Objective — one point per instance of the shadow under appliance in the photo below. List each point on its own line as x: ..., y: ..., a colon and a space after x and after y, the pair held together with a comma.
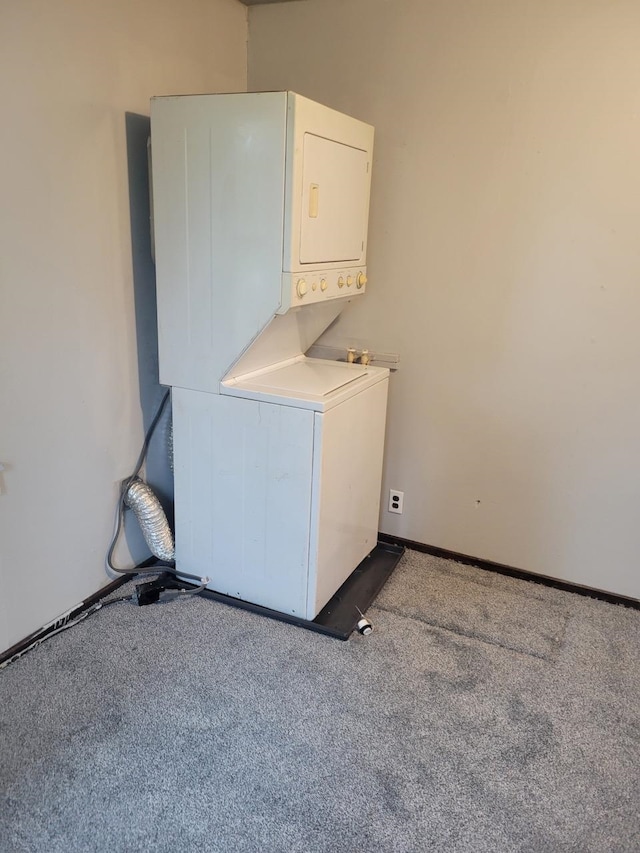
x: 261, y: 207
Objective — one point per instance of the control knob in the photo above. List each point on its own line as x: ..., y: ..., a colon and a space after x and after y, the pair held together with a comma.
x: 301, y: 287
x: 340, y: 282
x: 323, y: 284
x: 349, y: 280
x: 361, y: 280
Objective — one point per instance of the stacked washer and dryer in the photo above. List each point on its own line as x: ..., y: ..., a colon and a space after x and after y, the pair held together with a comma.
x: 261, y: 205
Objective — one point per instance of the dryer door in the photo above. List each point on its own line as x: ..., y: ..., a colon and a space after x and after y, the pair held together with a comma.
x: 335, y: 201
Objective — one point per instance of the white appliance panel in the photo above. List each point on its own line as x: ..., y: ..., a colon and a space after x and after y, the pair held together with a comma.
x: 335, y: 195
x: 348, y: 452
x: 243, y: 473
x: 218, y: 194
x: 286, y: 336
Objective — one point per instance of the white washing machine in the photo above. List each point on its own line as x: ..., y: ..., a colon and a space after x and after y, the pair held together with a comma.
x: 261, y: 208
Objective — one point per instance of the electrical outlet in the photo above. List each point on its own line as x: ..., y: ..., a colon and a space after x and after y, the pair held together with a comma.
x: 396, y: 501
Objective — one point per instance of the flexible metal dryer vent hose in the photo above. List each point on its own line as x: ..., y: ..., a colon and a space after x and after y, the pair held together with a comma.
x: 152, y: 520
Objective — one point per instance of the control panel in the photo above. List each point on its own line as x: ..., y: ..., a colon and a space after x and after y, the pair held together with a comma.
x: 319, y: 286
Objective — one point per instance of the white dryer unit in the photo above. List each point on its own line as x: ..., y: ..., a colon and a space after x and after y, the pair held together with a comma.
x: 261, y: 207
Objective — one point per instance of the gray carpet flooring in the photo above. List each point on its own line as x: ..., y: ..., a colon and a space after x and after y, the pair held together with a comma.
x: 483, y: 714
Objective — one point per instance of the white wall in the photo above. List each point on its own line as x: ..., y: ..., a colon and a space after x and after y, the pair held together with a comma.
x: 70, y: 379
x: 504, y: 262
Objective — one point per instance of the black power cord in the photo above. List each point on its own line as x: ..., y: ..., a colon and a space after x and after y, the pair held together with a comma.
x: 63, y: 626
x: 165, y: 587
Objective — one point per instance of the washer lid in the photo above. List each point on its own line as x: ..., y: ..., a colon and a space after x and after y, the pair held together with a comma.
x: 311, y: 376
x: 306, y: 383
